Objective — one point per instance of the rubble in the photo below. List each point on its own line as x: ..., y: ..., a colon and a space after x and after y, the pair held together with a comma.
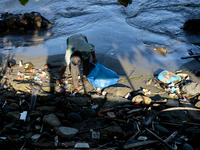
x: 112, y: 118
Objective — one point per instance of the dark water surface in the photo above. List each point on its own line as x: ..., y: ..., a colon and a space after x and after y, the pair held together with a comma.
x: 147, y: 33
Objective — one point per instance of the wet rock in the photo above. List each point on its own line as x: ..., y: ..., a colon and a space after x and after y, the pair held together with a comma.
x: 7, y: 109
x: 45, y: 135
x: 9, y: 94
x: 74, y: 117
x: 86, y: 113
x: 161, y: 129
x: 114, y: 101
x: 31, y: 20
x: 118, y: 90
x: 66, y: 123
x: 80, y: 101
x: 35, y: 114
x: 197, y: 104
x: 187, y: 146
x: 191, y: 89
x: 45, y: 109
x: 51, y: 120
x: 113, y: 131
x: 142, y: 100
x: 28, y: 135
x: 13, y: 116
x: 65, y: 132
x: 14, y: 105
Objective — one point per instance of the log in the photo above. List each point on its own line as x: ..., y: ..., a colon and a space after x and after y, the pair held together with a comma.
x: 140, y: 144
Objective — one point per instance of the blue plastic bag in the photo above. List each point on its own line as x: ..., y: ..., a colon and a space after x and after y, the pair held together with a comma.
x: 102, y: 77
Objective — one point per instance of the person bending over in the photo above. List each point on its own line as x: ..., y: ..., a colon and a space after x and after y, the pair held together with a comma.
x: 78, y: 50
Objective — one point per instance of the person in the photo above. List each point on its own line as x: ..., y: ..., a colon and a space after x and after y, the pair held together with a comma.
x: 78, y: 50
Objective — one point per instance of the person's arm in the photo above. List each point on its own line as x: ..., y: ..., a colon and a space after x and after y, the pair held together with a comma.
x: 94, y: 60
x: 61, y: 73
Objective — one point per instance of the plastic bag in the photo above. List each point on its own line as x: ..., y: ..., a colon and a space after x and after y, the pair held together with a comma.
x: 168, y: 77
x: 102, y: 77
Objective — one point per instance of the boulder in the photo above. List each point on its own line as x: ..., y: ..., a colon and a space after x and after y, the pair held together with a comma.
x: 51, y: 120
x: 118, y: 90
x: 65, y: 132
x: 142, y: 100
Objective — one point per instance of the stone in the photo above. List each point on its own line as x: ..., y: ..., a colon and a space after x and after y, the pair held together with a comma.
x: 118, y: 90
x: 9, y: 95
x: 197, y: 104
x: 65, y: 132
x: 35, y: 114
x: 13, y: 116
x: 86, y: 113
x: 112, y: 131
x: 191, y: 89
x: 187, y: 146
x: 14, y: 105
x: 51, y: 120
x: 74, y: 117
x: 45, y: 109
x: 22, y: 86
x: 80, y: 101
x: 142, y: 100
x: 114, y: 101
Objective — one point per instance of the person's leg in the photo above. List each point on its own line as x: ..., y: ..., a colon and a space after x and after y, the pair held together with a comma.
x: 86, y: 66
x: 74, y: 72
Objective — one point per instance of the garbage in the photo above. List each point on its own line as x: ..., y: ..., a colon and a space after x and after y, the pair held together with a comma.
x: 82, y: 145
x: 102, y: 77
x: 23, y: 115
x: 168, y: 77
x: 100, y: 117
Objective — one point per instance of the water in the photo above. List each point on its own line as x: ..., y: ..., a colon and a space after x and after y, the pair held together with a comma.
x: 133, y: 34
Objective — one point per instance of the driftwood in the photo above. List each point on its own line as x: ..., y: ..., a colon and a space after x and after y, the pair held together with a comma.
x: 140, y: 144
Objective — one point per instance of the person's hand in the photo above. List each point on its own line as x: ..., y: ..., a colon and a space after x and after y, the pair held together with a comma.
x: 94, y: 60
x: 76, y: 87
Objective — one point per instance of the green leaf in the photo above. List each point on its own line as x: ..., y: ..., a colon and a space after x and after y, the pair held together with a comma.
x: 24, y: 2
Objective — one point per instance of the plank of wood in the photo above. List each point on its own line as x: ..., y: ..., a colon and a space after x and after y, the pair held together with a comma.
x: 140, y: 144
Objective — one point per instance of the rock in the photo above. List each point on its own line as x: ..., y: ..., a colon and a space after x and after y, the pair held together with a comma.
x: 65, y: 132
x: 80, y: 101
x: 51, y: 120
x: 74, y: 117
x: 113, y: 131
x: 35, y: 114
x: 186, y: 146
x: 118, y: 90
x: 114, y: 101
x: 197, y: 104
x: 142, y: 100
x: 161, y: 129
x: 85, y: 113
x: 13, y: 116
x: 9, y: 94
x: 191, y: 89
x: 14, y: 105
x: 45, y: 109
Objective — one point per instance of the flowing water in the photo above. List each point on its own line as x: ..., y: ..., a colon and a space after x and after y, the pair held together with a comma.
x: 146, y: 34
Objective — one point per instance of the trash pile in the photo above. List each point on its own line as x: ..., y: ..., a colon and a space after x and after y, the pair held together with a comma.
x: 115, y: 117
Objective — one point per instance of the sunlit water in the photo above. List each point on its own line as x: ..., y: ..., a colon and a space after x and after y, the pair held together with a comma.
x: 134, y: 34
